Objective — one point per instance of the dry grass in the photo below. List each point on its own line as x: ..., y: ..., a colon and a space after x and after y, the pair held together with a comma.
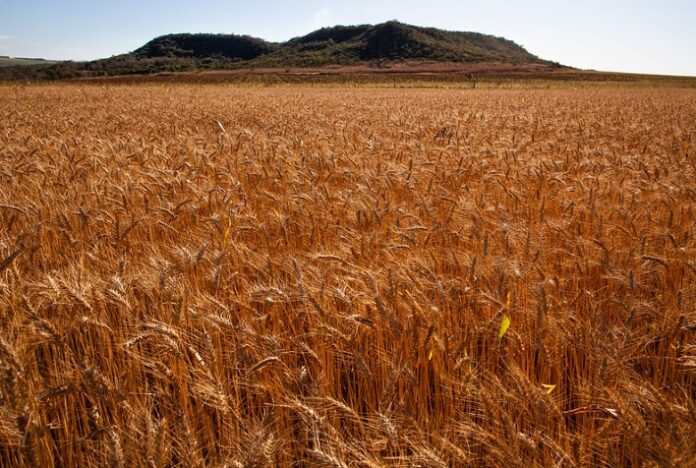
x: 255, y: 277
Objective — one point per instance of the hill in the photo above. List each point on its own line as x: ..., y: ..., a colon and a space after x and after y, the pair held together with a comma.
x: 394, y: 41
x: 376, y: 45
x: 340, y: 45
x: 201, y: 46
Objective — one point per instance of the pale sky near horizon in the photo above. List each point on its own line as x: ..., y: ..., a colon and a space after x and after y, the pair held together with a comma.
x: 640, y: 36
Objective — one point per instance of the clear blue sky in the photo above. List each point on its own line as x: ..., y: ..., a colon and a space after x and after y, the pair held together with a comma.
x: 645, y: 36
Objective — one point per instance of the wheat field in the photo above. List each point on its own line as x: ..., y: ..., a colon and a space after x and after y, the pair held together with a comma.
x: 295, y: 276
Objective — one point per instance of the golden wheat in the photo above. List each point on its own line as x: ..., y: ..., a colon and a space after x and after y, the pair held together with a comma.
x: 249, y: 276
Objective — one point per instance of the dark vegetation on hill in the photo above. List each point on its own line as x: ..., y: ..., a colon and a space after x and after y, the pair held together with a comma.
x: 340, y: 45
x: 201, y: 46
